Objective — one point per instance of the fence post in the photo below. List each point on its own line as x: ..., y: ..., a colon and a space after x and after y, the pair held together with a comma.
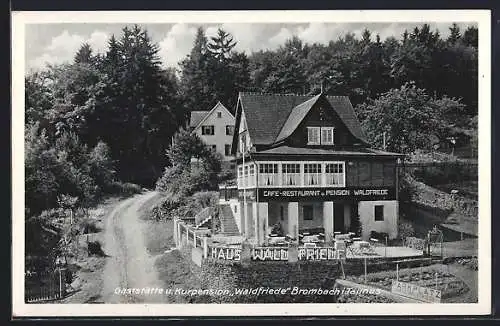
x: 60, y: 283
x: 205, y: 247
x: 179, y: 232
x: 175, y: 231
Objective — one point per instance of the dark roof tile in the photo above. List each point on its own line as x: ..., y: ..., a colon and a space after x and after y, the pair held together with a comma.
x: 196, y: 117
x: 269, y: 116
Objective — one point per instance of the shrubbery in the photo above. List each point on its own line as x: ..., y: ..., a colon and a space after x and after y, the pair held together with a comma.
x: 185, y: 206
x: 447, y: 173
x: 405, y: 229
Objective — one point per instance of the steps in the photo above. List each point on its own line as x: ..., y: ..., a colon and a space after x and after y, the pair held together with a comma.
x: 228, y: 224
x: 203, y: 217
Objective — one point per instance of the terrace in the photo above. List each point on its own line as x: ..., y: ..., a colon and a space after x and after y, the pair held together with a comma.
x: 311, y: 246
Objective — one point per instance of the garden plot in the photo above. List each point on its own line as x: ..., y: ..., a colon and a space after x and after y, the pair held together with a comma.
x: 435, y: 276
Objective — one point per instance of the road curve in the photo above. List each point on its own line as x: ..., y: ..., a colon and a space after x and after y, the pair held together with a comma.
x: 128, y: 265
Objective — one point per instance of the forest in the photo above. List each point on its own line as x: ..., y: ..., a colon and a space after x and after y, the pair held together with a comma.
x: 104, y: 123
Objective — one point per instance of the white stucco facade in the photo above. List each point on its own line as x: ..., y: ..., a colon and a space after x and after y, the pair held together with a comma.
x: 219, y: 118
x: 389, y: 224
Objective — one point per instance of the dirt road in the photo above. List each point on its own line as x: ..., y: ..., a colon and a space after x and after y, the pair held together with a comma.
x: 129, y: 265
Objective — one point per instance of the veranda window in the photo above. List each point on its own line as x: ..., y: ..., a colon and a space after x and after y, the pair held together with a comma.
x: 240, y: 176
x: 312, y: 174
x: 291, y: 174
x: 268, y: 174
x: 251, y: 177
x: 334, y: 174
x: 246, y: 175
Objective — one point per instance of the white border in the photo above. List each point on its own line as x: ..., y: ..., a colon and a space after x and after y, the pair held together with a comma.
x: 19, y: 19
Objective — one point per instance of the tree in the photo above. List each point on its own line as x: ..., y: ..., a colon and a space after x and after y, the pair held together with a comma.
x: 193, y: 166
x: 470, y: 37
x: 195, y: 76
x: 221, y: 45
x: 38, y: 97
x: 288, y: 75
x: 135, y: 107
x: 213, y: 72
x: 454, y: 36
x: 84, y: 54
x: 410, y: 118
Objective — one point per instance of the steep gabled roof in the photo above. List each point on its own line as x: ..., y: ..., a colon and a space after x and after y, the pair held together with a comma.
x: 273, y: 117
x: 296, y: 116
x: 198, y: 117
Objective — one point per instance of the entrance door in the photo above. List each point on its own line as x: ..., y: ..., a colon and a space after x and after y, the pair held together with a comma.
x: 338, y: 218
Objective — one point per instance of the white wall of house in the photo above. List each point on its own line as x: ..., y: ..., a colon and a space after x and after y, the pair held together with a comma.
x: 389, y: 224
x: 220, y: 139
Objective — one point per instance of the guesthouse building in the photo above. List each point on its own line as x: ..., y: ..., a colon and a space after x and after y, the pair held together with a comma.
x: 304, y: 165
x: 215, y: 128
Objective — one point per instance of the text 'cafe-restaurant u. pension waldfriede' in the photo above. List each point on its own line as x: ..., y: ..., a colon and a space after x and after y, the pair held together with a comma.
x: 304, y: 166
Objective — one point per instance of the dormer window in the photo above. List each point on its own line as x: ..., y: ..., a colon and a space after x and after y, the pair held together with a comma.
x: 320, y: 135
x: 327, y: 135
x: 313, y: 135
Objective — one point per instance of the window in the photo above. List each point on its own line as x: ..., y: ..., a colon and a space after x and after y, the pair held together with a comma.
x: 291, y: 174
x: 313, y: 135
x: 327, y: 135
x: 236, y: 208
x: 229, y: 130
x: 208, y: 130
x: 282, y: 213
x: 334, y: 174
x: 307, y: 211
x: 219, y: 114
x: 379, y: 212
x: 240, y: 176
x: 268, y: 174
x: 227, y: 150
x: 251, y: 180
x: 312, y: 174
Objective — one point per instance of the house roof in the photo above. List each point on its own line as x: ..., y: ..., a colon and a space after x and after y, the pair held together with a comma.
x: 273, y: 117
x: 299, y: 151
x: 197, y: 117
x: 295, y: 117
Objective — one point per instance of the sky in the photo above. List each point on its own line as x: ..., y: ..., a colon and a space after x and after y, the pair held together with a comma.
x: 57, y: 43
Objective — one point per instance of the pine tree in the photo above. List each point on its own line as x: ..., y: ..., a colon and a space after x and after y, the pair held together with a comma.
x: 221, y: 45
x: 84, y: 54
x: 454, y: 36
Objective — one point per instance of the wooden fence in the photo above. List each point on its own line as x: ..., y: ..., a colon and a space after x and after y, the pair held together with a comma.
x: 45, y: 286
x: 185, y: 234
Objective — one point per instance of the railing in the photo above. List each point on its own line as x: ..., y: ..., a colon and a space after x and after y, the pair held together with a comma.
x: 46, y: 286
x: 185, y: 234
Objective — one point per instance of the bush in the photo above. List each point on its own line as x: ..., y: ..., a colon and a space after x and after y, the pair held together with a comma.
x: 89, y: 226
x: 447, y: 173
x: 125, y: 188
x: 94, y: 248
x: 405, y: 230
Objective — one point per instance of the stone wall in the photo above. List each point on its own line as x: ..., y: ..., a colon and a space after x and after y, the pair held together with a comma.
x: 288, y: 276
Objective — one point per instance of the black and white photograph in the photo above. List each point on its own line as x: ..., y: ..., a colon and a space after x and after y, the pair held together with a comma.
x: 247, y: 163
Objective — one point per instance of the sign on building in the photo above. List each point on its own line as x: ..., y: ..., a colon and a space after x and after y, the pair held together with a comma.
x: 416, y: 292
x: 325, y: 194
